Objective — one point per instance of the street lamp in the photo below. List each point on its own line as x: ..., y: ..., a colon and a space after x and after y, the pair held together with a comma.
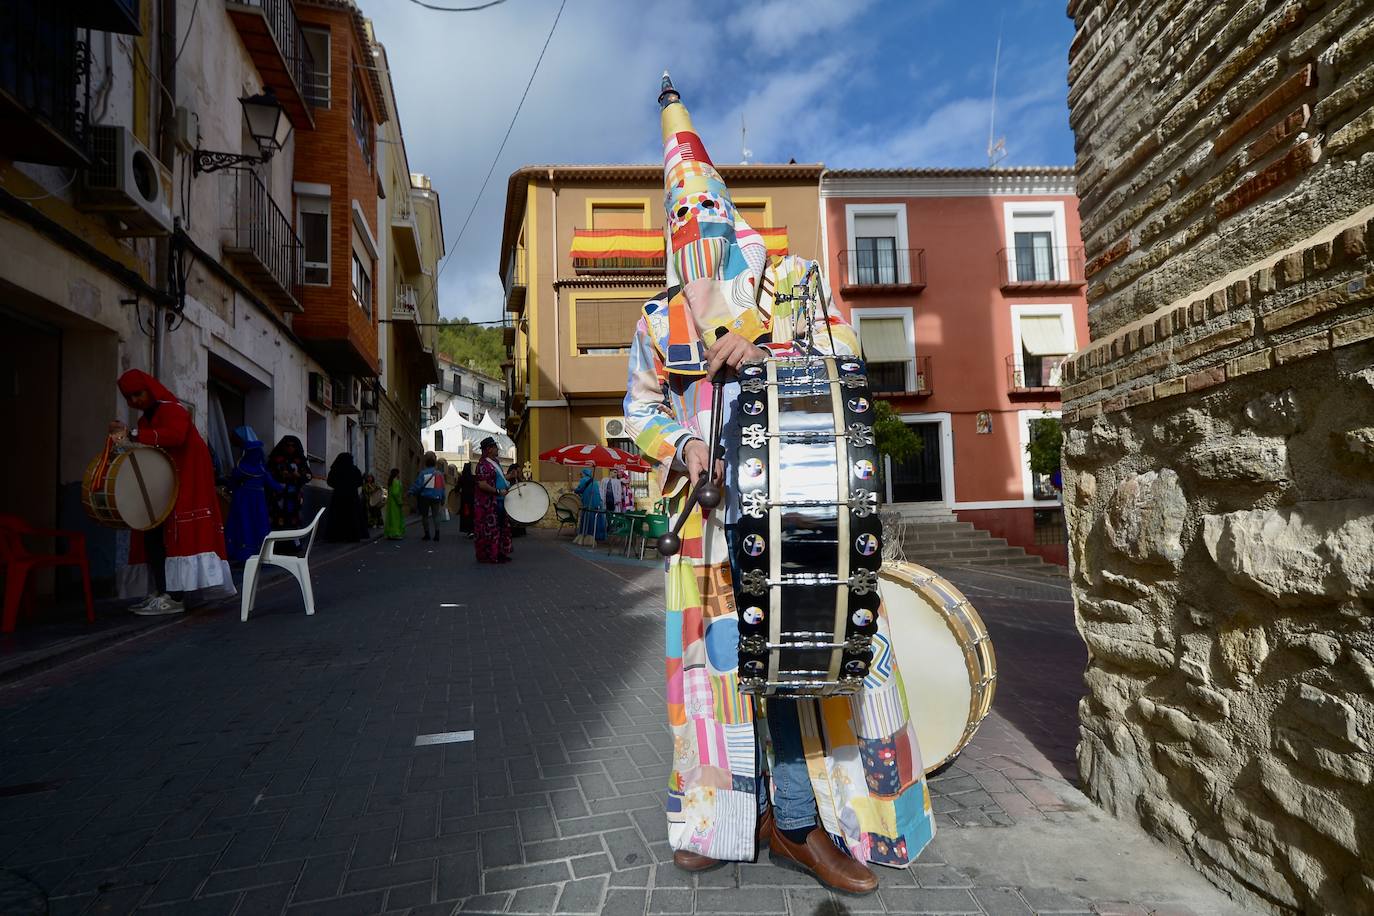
x: 269, y: 126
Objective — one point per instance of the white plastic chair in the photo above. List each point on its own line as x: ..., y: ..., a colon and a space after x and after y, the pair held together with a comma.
x: 298, y: 566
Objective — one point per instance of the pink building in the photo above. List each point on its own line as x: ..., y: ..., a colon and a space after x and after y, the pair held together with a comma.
x: 966, y: 286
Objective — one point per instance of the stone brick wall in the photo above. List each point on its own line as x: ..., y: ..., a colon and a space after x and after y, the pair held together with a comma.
x: 1219, y: 452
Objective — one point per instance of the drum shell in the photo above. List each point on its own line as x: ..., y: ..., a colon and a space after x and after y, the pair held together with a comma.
x: 944, y: 655
x: 523, y: 501
x: 103, y: 502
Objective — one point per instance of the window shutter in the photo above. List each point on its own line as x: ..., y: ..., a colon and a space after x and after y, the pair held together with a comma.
x: 606, y: 323
x: 884, y: 340
x: 1043, y: 335
x: 618, y: 217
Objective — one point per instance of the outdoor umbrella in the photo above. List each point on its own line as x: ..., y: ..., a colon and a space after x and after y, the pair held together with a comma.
x: 594, y: 456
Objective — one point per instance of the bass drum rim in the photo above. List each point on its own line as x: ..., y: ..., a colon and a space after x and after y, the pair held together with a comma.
x: 526, y: 484
x: 906, y: 574
x: 110, y: 517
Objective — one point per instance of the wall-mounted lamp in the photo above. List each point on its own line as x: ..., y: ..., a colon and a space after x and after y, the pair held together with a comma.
x: 267, y: 122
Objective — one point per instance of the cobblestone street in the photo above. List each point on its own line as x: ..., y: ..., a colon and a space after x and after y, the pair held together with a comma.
x: 215, y: 767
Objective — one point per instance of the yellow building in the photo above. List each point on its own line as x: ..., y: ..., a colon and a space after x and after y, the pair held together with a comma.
x: 582, y: 249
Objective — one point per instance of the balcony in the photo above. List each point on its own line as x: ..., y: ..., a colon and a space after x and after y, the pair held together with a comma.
x: 259, y: 239
x: 882, y: 272
x: 1037, y: 268
x: 120, y: 16
x: 272, y: 35
x: 1037, y: 376
x: 406, y: 231
x: 890, y: 379
x: 44, y: 92
x: 635, y: 252
x: 516, y: 282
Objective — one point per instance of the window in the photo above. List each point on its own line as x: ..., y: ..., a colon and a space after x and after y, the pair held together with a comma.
x: 1035, y: 234
x: 887, y: 346
x: 605, y: 326
x: 878, y: 252
x: 618, y: 216
x: 1043, y: 337
x: 438, y: 440
x: 317, y: 74
x: 362, y: 283
x: 313, y: 219
x: 362, y: 124
x: 481, y: 391
x: 756, y: 215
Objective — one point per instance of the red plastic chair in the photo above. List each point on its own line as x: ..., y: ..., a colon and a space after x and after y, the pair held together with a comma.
x: 19, y: 561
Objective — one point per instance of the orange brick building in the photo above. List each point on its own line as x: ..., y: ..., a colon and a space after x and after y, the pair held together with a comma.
x: 336, y: 192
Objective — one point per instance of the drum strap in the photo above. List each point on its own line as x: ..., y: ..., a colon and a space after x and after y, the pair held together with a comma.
x: 103, y: 465
x: 142, y: 487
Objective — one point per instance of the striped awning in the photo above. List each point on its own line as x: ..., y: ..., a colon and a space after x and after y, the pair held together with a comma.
x: 640, y: 249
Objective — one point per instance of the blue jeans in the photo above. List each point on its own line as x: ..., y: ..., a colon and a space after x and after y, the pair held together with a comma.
x: 794, y: 804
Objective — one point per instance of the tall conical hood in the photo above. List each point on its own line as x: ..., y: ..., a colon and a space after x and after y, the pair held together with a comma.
x: 706, y: 234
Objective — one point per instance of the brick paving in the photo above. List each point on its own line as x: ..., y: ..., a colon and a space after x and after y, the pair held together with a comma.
x: 270, y: 767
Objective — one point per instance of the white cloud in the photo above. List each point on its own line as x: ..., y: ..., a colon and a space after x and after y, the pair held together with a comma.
x: 786, y: 26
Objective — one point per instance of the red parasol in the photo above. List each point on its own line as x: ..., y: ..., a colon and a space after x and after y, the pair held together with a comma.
x: 594, y: 456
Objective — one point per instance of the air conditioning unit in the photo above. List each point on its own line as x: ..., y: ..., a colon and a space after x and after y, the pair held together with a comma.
x: 126, y: 181
x: 321, y: 391
x: 614, y: 428
x: 348, y: 394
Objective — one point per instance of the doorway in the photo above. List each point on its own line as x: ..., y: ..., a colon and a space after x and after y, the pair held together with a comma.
x: 919, y: 479
x: 30, y: 392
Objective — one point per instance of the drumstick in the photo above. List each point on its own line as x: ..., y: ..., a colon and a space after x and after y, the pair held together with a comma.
x: 706, y: 494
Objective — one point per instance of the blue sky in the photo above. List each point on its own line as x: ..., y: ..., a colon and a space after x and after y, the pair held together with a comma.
x: 851, y: 83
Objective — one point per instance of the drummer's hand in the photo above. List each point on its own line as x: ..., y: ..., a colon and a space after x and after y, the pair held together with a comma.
x: 118, y: 428
x: 694, y: 456
x: 730, y: 350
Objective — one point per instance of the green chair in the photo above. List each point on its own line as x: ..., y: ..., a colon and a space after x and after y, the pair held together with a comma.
x: 565, y: 510
x: 618, y: 525
x: 651, y: 526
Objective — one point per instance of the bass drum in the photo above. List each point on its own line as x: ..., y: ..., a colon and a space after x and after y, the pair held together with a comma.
x: 527, y: 502
x: 130, y: 488
x: 945, y: 657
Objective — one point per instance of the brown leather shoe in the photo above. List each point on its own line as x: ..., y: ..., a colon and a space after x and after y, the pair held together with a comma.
x: 821, y: 858
x: 694, y: 861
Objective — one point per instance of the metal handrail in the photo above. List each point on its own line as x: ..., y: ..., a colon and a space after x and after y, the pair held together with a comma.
x: 891, y: 267
x: 1057, y: 265
x: 261, y: 227
x: 1020, y: 379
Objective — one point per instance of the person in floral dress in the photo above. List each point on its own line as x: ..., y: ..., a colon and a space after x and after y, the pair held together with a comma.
x: 492, y: 525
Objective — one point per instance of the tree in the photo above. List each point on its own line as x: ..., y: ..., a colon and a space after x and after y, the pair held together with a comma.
x: 1046, y: 443
x: 894, y: 438
x: 472, y: 345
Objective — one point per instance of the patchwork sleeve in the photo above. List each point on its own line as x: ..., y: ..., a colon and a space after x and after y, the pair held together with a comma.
x: 648, y: 410
x: 842, y: 332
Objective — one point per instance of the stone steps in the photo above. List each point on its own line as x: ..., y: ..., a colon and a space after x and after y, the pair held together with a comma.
x: 938, y: 539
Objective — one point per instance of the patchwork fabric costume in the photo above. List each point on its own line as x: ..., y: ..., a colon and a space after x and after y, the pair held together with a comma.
x: 861, y: 751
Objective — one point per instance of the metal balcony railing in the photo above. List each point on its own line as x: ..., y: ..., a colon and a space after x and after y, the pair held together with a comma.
x: 516, y: 281
x: 279, y: 16
x: 892, y: 379
x: 883, y: 270
x: 261, y: 237
x: 44, y: 93
x: 407, y: 303
x: 1043, y: 267
x: 1034, y: 373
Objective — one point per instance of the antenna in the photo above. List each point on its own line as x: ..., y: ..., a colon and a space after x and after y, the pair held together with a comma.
x: 997, y: 149
x: 745, y: 152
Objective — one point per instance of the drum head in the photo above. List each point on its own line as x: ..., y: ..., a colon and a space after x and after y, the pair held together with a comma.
x: 935, y: 671
x: 527, y: 502
x: 145, y: 487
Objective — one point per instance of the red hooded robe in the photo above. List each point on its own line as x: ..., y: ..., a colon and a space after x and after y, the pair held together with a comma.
x: 193, y: 533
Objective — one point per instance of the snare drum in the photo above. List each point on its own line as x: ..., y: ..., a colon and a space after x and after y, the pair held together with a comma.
x: 945, y: 657
x: 130, y: 487
x: 808, y: 541
x: 527, y: 502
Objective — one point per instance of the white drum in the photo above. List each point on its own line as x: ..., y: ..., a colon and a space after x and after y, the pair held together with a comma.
x: 527, y: 502
x: 944, y: 655
x: 130, y: 487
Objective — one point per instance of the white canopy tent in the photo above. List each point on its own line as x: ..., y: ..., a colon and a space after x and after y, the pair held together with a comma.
x: 456, y: 439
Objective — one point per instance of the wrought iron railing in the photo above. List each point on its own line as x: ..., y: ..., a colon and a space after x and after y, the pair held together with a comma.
x: 42, y: 75
x: 883, y: 267
x: 1034, y: 373
x: 891, y: 377
x: 261, y: 227
x: 286, y: 29
x: 1031, y: 265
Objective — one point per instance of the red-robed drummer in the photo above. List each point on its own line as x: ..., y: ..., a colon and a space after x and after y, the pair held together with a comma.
x: 185, y: 553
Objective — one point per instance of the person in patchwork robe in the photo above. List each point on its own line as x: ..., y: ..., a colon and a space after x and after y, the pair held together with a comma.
x: 847, y: 783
